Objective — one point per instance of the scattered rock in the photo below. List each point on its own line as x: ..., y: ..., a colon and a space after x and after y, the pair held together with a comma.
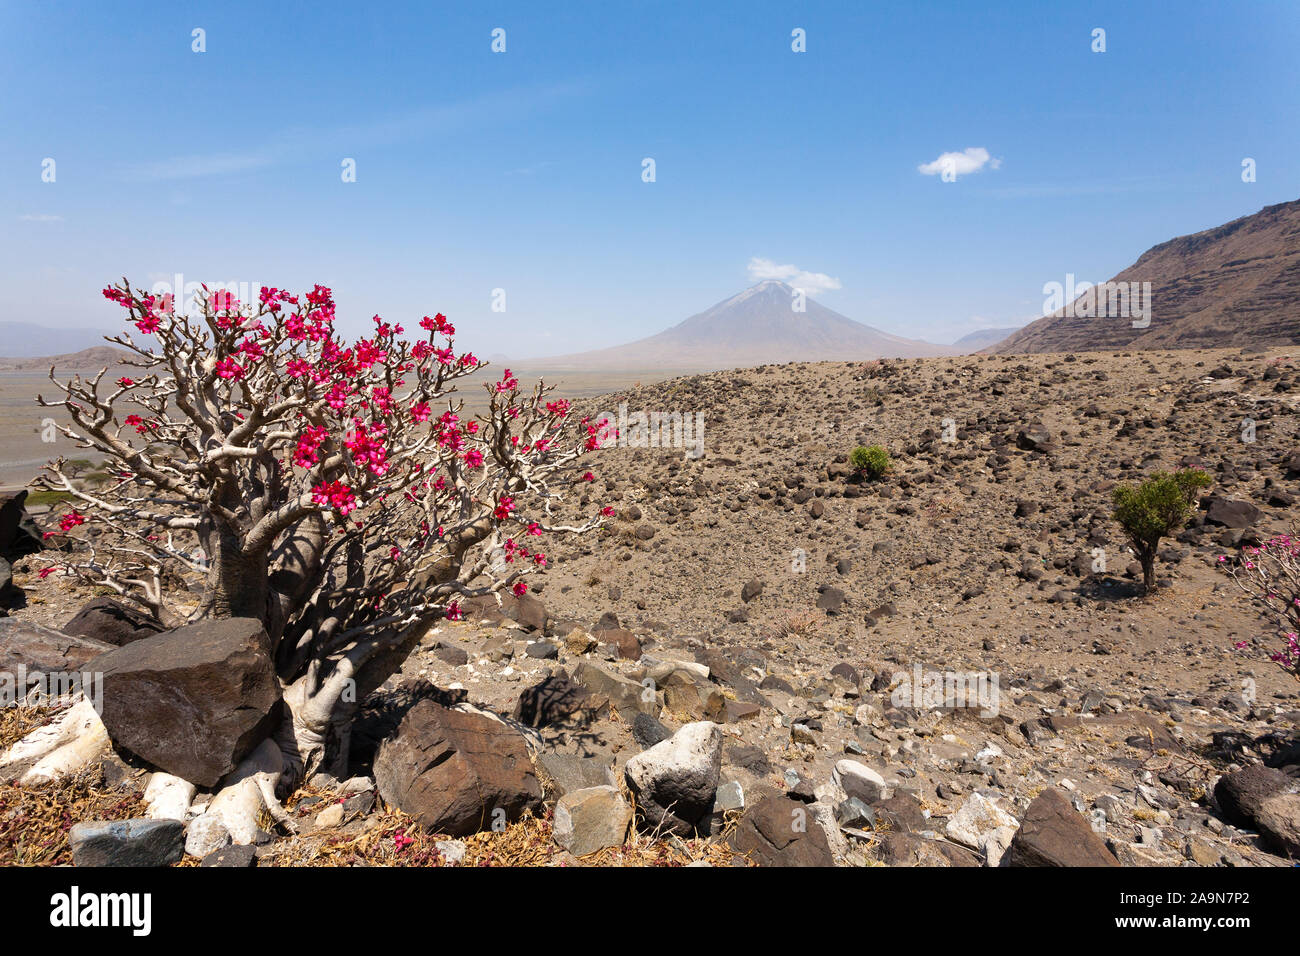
x: 193, y: 701
x: 127, y: 842
x: 587, y: 821
x: 1053, y: 833
x: 103, y: 619
x: 456, y: 772
x: 778, y: 831
x: 675, y: 782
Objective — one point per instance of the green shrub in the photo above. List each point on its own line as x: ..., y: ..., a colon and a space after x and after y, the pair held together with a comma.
x: 873, y: 461
x: 1159, y: 506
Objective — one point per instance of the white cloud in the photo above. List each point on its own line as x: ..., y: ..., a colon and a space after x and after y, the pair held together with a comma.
x: 970, y: 160
x: 39, y: 217
x: 811, y: 282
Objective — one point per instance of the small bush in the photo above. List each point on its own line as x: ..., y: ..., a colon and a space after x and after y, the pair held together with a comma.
x: 873, y: 461
x: 1159, y: 506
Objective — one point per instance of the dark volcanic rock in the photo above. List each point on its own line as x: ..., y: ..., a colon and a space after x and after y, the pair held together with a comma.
x: 1230, y: 513
x: 1241, y: 794
x: 456, y: 772
x: 104, y: 619
x: 40, y: 649
x: 1053, y: 833
x: 778, y: 831
x: 647, y: 731
x: 1034, y: 437
x: 192, y: 701
x: 127, y: 842
x: 19, y: 535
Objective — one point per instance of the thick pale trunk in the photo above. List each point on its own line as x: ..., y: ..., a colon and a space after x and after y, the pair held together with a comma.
x: 238, y: 584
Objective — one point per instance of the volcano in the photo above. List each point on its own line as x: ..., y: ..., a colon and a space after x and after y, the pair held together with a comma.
x: 759, y: 326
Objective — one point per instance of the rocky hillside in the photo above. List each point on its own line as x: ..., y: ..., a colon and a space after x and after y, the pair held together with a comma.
x: 1235, y: 285
x: 100, y: 356
x: 763, y: 636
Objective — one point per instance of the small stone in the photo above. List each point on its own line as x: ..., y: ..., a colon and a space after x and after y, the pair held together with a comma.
x: 127, y: 842
x: 452, y: 851
x: 232, y: 857
x: 859, y: 780
x: 590, y: 820
x: 331, y: 816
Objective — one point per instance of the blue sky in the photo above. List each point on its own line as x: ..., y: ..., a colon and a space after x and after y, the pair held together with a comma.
x: 522, y: 170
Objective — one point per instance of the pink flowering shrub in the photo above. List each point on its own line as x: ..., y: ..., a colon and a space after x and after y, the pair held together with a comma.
x: 1270, y: 574
x: 338, y: 492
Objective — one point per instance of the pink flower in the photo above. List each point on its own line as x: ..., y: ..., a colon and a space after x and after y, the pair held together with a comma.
x: 305, y: 455
x: 71, y: 520
x: 229, y: 368
x: 335, y: 494
x: 520, y: 589
x: 454, y: 612
x: 508, y: 382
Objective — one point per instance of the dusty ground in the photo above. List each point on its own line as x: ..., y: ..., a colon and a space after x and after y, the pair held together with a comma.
x: 944, y: 523
x: 970, y: 555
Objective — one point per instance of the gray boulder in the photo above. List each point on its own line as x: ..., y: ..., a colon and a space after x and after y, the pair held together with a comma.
x: 127, y: 842
x: 193, y: 701
x: 675, y: 782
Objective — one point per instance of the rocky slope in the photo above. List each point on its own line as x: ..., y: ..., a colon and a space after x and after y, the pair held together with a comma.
x: 735, y: 655
x: 1234, y: 285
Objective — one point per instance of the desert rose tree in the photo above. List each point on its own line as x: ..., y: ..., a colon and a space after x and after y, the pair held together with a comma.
x: 336, y: 492
x: 1270, y: 575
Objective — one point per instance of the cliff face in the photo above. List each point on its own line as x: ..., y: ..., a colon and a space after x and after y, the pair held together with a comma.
x: 1235, y: 285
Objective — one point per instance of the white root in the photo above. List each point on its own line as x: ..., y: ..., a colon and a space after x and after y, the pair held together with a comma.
x: 247, y: 790
x: 72, y: 723
x: 169, y: 797
x: 68, y: 759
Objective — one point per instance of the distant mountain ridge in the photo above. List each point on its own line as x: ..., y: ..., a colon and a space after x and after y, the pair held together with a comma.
x: 755, y: 327
x: 1234, y: 285
x: 983, y: 338
x: 29, y: 340
x: 101, y: 356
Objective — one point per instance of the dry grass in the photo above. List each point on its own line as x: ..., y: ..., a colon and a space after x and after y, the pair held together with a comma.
x: 389, y: 837
x: 17, y: 722
x: 797, y: 624
x: 34, y: 822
